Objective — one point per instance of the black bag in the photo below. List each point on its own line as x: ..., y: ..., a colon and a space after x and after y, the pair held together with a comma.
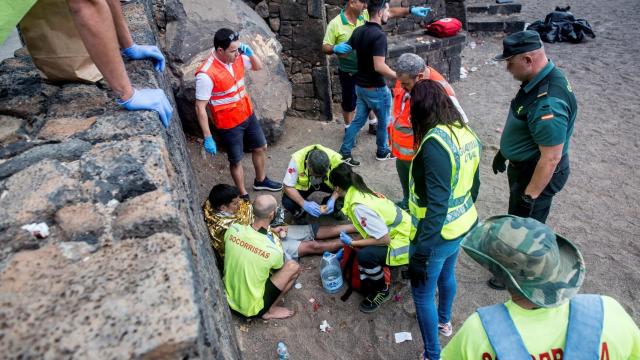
x: 561, y: 25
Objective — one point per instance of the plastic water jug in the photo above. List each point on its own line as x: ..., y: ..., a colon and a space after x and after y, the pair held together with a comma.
x: 330, y: 273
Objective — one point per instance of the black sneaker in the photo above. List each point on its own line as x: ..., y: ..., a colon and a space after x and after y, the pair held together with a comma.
x: 373, y: 129
x: 372, y: 302
x: 245, y: 197
x: 267, y: 185
x: 350, y: 161
x: 387, y: 155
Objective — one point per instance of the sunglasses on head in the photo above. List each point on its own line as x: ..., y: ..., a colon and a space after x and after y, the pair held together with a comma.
x: 234, y: 37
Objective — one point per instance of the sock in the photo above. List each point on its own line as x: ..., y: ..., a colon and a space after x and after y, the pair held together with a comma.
x: 346, y: 126
x: 373, y: 121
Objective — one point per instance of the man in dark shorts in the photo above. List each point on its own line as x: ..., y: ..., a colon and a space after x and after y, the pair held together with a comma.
x: 220, y: 84
x: 252, y: 252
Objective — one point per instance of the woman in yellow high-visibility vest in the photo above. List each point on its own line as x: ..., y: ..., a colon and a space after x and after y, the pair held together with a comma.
x: 385, y: 230
x: 443, y: 185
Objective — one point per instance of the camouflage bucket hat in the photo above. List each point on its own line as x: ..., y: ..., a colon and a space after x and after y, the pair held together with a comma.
x: 544, y: 267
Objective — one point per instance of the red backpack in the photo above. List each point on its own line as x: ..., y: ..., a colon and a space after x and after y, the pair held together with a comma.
x: 351, y: 273
x: 444, y: 27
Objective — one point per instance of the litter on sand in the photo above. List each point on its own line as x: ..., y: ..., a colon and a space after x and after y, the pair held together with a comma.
x: 39, y: 230
x: 324, y: 327
x: 403, y: 336
x: 463, y: 73
x: 297, y: 285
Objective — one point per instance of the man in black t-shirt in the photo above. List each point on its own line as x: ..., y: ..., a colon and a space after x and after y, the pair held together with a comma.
x: 370, y: 43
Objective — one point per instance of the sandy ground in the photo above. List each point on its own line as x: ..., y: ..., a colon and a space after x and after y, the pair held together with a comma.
x: 597, y: 209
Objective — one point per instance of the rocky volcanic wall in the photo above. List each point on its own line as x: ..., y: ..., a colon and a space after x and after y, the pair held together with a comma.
x: 126, y: 270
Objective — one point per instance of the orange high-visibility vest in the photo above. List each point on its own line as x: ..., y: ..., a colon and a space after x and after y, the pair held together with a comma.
x: 400, y: 130
x: 229, y: 102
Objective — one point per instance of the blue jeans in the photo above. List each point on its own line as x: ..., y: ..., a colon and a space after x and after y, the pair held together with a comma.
x: 441, y: 266
x: 378, y: 100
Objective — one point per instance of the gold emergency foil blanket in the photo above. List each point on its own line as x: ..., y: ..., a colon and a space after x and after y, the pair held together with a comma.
x: 217, y: 223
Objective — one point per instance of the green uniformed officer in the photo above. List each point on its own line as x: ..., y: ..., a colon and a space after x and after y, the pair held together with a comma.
x: 536, y: 135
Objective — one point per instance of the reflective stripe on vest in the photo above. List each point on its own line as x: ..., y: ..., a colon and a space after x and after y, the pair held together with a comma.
x: 397, y: 220
x: 300, y: 157
x: 229, y: 103
x: 228, y: 100
x: 461, y: 213
x: 584, y: 330
x: 400, y: 130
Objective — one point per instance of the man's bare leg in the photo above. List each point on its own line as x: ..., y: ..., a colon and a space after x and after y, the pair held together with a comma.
x: 283, y: 280
x: 313, y: 247
x: 333, y: 231
x: 257, y: 156
x: 237, y: 174
x: 98, y: 34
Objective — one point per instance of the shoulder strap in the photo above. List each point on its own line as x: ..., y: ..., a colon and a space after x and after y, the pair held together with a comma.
x: 502, y: 332
x: 586, y: 314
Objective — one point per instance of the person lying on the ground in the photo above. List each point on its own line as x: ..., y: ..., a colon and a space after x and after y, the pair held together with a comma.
x: 104, y: 32
x: 225, y: 207
x: 308, y: 172
x: 252, y: 252
x: 384, y: 228
x: 543, y: 272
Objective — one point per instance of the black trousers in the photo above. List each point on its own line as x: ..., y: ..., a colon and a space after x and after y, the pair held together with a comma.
x: 371, y: 260
x: 520, y: 174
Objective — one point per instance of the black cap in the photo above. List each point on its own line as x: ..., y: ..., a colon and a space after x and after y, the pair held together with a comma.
x: 519, y: 43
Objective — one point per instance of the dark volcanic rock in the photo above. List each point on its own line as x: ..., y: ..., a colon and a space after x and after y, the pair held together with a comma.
x: 66, y: 151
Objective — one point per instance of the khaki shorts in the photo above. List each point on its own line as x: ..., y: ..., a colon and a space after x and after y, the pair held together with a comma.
x: 295, y: 236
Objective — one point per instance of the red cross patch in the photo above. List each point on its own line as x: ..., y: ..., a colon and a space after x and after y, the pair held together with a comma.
x: 363, y: 221
x: 291, y: 170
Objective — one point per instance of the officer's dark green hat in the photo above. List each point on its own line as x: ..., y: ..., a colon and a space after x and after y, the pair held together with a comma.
x: 542, y: 266
x: 519, y: 43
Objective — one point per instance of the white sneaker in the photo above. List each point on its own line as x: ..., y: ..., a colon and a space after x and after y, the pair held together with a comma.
x: 445, y: 329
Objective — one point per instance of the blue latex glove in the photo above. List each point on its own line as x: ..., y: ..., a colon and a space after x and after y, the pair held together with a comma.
x: 342, y: 48
x: 246, y: 49
x: 312, y: 208
x: 420, y: 11
x: 330, y: 205
x: 150, y: 99
x: 346, y: 239
x: 138, y: 52
x: 210, y: 145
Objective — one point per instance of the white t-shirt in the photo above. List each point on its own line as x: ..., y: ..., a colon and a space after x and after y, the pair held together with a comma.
x: 291, y: 177
x: 204, y: 84
x: 372, y: 224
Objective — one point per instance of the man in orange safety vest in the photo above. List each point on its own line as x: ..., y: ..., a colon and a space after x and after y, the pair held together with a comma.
x: 220, y: 86
x: 410, y: 68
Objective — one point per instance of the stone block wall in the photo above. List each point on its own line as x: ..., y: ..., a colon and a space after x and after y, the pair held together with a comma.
x: 126, y: 270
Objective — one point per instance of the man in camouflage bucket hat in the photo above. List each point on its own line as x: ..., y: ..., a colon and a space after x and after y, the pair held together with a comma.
x: 544, y: 267
x: 544, y: 319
